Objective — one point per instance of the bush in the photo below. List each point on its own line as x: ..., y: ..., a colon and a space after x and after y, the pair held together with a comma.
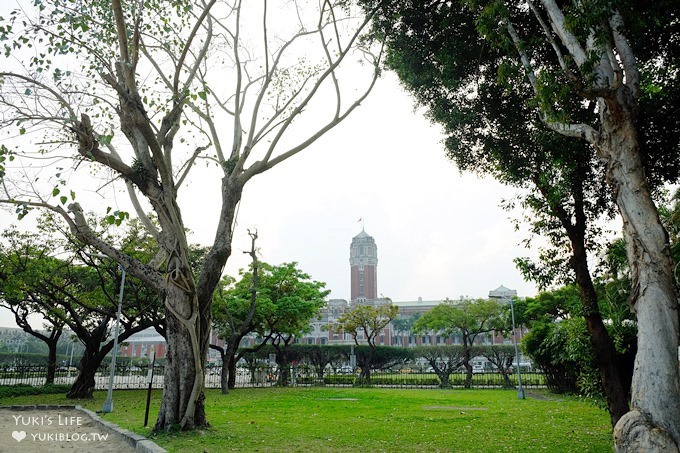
x: 395, y: 379
x: 7, y: 391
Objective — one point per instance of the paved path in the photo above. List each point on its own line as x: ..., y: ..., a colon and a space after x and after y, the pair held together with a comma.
x: 55, y: 429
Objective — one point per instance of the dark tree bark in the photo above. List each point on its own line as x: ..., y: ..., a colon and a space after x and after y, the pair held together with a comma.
x: 83, y: 386
x: 615, y: 379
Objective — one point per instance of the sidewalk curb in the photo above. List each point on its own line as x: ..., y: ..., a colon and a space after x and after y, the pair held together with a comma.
x: 140, y: 443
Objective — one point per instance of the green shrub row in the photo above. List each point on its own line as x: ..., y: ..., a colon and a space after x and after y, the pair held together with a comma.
x: 7, y: 391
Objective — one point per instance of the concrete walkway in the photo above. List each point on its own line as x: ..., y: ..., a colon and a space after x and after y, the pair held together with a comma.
x: 65, y: 428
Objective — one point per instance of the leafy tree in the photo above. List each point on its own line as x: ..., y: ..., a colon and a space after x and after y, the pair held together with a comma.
x: 288, y: 300
x: 469, y: 318
x: 488, y: 115
x: 602, y: 51
x: 501, y: 356
x: 379, y: 358
x: 546, y: 345
x: 82, y: 297
x: 555, y: 340
x: 21, y: 270
x: 444, y: 360
x: 234, y: 317
x: 366, y: 322
x: 598, y: 72
x: 320, y: 356
x: 142, y: 92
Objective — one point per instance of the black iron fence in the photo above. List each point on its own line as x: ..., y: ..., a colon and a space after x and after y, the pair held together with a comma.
x: 138, y: 377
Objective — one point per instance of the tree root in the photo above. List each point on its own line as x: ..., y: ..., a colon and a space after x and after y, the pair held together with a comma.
x: 635, y: 432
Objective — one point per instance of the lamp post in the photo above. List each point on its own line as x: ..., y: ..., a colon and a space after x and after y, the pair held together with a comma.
x: 70, y: 360
x: 520, y: 390
x: 108, y: 404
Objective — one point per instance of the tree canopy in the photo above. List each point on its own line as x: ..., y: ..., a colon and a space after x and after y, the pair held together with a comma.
x: 469, y: 318
x: 138, y: 94
x: 590, y: 71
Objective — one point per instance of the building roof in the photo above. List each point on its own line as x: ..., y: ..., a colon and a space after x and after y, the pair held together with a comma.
x: 420, y: 303
x: 502, y: 292
x: 362, y: 235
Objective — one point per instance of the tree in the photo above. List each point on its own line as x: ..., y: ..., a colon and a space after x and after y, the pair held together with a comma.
x: 233, y: 314
x: 321, y: 356
x: 495, y: 132
x: 444, y: 360
x: 289, y: 301
x: 556, y: 344
x: 132, y: 99
x: 470, y: 318
x: 277, y: 302
x: 501, y: 356
x: 602, y: 75
x: 366, y: 322
x: 82, y: 297
x: 19, y: 273
x: 595, y: 54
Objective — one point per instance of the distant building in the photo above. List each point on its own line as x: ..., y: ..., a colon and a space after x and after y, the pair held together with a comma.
x: 363, y: 260
x: 142, y: 344
x: 502, y: 293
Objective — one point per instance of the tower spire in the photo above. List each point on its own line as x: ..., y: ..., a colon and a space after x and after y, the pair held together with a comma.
x: 363, y: 262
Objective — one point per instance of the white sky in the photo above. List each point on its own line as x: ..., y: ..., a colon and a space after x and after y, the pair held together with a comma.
x: 439, y: 233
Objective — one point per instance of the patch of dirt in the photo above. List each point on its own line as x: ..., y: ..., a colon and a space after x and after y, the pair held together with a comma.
x: 454, y: 408
x: 54, y: 430
x: 541, y: 397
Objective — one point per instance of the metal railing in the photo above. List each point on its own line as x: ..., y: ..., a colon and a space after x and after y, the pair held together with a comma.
x: 137, y: 377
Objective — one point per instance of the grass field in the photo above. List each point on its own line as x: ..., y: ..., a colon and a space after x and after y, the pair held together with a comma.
x: 370, y: 419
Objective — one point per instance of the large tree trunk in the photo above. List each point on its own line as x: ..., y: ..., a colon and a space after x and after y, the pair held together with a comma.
x: 83, y: 386
x: 615, y: 379
x: 616, y: 386
x: 467, y: 356
x: 652, y: 424
x: 182, y: 405
x: 225, y: 374
x: 232, y: 372
x: 51, y: 360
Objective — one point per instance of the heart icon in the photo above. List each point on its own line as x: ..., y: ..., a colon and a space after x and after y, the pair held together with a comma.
x: 19, y: 435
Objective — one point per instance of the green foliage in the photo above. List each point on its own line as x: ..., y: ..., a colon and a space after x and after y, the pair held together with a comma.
x: 60, y: 280
x: 467, y: 317
x: 287, y: 299
x: 381, y: 357
x: 368, y: 320
x: 558, y: 340
x: 10, y: 391
x: 444, y: 360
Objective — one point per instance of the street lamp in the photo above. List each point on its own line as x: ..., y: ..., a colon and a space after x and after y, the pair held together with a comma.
x: 520, y: 391
x: 108, y: 404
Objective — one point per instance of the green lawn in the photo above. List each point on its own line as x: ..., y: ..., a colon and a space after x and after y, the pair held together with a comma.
x: 370, y: 419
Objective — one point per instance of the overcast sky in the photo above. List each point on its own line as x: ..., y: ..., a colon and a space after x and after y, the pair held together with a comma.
x: 439, y: 233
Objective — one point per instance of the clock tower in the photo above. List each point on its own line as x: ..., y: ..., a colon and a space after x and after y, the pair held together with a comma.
x: 363, y: 260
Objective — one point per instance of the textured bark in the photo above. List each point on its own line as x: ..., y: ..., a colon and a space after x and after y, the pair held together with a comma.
x: 51, y: 361
x: 467, y: 356
x: 655, y: 391
x: 83, y: 386
x: 182, y: 405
